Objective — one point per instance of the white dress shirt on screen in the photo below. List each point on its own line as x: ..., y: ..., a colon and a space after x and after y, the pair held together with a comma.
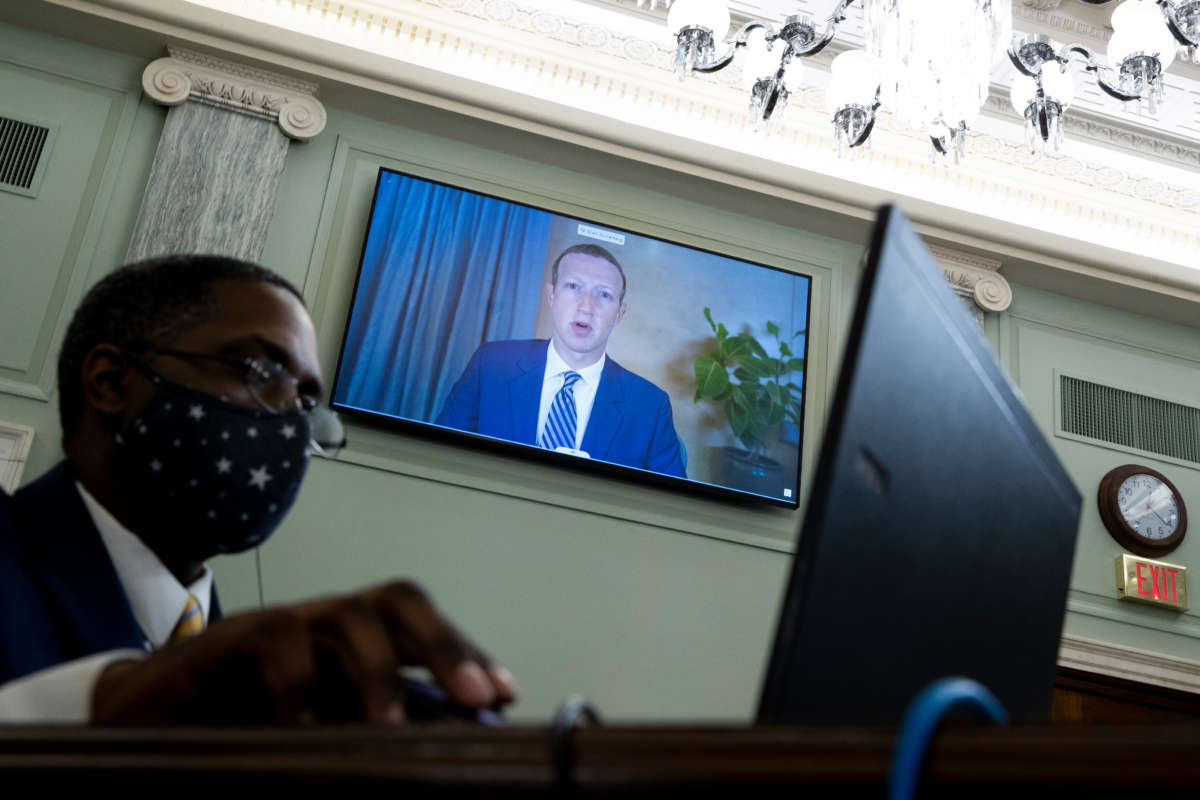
x: 584, y: 391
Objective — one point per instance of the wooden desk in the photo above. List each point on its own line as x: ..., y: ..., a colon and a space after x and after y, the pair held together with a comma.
x: 626, y: 762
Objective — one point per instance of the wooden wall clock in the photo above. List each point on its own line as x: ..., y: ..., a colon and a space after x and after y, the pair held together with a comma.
x: 1142, y: 510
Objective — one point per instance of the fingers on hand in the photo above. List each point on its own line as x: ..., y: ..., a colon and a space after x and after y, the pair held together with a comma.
x: 422, y: 636
x: 330, y: 660
x: 281, y: 649
x: 506, y: 685
x: 253, y: 668
x: 357, y: 664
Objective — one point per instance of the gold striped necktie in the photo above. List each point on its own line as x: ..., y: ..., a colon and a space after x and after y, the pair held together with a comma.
x: 191, y: 621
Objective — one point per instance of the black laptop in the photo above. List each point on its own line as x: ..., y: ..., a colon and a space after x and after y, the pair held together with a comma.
x: 940, y: 528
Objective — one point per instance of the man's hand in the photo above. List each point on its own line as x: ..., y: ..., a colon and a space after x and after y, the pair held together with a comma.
x: 332, y: 660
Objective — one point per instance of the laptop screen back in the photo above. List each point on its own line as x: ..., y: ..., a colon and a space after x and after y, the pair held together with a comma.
x: 940, y: 529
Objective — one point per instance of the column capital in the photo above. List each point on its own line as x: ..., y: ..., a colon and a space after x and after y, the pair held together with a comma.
x: 190, y: 75
x: 974, y: 276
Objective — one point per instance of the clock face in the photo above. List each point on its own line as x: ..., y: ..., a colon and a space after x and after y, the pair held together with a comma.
x: 1142, y: 510
x: 1148, y: 506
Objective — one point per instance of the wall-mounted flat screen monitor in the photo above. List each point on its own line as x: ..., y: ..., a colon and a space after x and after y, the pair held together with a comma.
x: 576, y: 342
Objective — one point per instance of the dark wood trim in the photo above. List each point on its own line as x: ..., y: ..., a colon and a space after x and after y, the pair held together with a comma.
x: 1089, y: 697
x: 649, y: 761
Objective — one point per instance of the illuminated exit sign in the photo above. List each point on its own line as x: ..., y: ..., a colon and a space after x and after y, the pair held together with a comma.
x: 1155, y: 582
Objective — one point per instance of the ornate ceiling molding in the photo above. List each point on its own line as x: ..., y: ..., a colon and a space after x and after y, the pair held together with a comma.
x: 1042, y: 5
x: 1073, y: 21
x: 1136, y: 138
x: 1049, y: 17
x: 591, y: 75
x: 558, y: 27
x: 1137, y: 141
x: 189, y: 75
x: 588, y: 69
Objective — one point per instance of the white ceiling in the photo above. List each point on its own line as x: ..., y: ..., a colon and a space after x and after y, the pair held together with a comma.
x: 1121, y: 201
x: 1063, y: 20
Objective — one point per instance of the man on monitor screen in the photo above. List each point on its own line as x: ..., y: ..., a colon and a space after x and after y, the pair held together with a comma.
x: 567, y: 394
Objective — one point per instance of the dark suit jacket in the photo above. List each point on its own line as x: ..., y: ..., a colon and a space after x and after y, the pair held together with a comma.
x: 60, y: 597
x: 500, y: 392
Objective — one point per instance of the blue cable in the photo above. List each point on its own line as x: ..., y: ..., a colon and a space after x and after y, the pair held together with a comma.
x: 921, y: 719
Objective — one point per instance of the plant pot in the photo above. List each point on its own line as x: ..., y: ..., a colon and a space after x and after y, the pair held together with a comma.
x: 741, y: 469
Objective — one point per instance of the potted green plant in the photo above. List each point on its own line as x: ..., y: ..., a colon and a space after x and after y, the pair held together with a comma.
x: 757, y: 394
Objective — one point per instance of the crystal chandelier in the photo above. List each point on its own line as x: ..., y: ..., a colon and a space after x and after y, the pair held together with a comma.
x: 929, y: 63
x: 1147, y: 36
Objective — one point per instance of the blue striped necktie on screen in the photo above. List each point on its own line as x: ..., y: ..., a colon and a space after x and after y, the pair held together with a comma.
x: 560, y: 422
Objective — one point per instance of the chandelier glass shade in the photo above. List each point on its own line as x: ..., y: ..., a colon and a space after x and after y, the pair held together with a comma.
x: 935, y: 59
x: 930, y: 62
x: 1141, y: 49
x: 1043, y: 107
x: 852, y: 98
x: 767, y: 79
x: 706, y: 22
x: 1187, y: 21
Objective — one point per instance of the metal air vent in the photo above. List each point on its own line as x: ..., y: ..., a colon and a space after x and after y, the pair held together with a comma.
x: 21, y: 147
x: 1130, y: 420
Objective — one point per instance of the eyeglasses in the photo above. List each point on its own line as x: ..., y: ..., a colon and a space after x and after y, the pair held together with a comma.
x: 275, y: 389
x: 267, y: 381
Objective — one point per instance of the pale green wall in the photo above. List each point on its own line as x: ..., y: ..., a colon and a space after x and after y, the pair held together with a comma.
x: 576, y: 582
x: 1045, y: 335
x: 654, y: 604
x: 54, y: 246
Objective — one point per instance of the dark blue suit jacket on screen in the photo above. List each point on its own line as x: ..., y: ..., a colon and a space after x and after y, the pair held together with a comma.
x: 60, y: 597
x: 500, y: 392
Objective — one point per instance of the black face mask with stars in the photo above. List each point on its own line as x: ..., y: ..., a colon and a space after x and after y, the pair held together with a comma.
x: 207, y: 476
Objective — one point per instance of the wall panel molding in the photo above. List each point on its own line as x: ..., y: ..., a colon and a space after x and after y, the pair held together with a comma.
x: 85, y: 165
x: 1107, y: 607
x: 1149, y: 335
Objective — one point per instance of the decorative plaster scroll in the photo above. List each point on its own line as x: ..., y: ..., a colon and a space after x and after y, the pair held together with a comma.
x: 1129, y: 663
x: 974, y: 276
x: 186, y: 74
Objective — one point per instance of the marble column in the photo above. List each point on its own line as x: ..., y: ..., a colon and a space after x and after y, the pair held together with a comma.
x: 216, y: 172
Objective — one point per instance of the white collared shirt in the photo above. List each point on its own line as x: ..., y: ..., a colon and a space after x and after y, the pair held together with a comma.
x: 155, y: 595
x: 584, y: 390
x: 63, y: 694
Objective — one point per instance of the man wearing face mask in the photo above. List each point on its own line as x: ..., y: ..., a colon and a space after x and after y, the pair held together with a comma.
x: 186, y: 385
